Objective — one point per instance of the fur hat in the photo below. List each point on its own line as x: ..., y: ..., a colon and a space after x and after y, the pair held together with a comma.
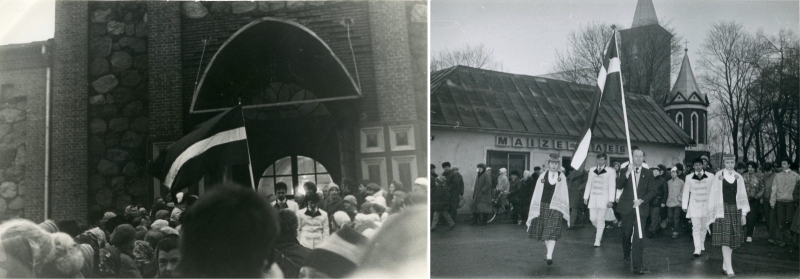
x: 340, y: 217
x: 421, y: 181
x: 67, y: 259
x: 42, y: 243
x: 340, y: 254
x: 160, y: 223
x: 122, y: 235
x: 49, y: 226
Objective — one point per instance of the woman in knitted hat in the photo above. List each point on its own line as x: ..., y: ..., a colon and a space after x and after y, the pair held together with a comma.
x: 727, y: 207
x: 334, y: 201
x: 549, y: 205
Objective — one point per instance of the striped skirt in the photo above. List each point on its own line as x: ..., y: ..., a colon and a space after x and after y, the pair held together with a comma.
x: 547, y: 226
x: 728, y: 231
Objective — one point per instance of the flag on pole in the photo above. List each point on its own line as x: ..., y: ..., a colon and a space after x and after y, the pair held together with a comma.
x: 608, y: 80
x: 220, y: 141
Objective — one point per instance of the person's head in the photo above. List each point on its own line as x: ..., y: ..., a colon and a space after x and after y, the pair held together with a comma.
x: 553, y: 163
x: 153, y: 236
x: 363, y: 186
x: 350, y: 203
x: 366, y: 207
x: 395, y: 186
x: 312, y: 200
x: 310, y: 187
x: 766, y: 167
x: 231, y: 232
x: 433, y: 168
x: 503, y: 171
x: 785, y: 163
x: 348, y: 185
x: 420, y: 186
x: 656, y: 172
x: 698, y: 165
x: 601, y: 158
x: 280, y: 190
x: 705, y: 160
x: 729, y: 162
x: 288, y: 223
x: 616, y: 166
x: 373, y: 188
x: 168, y: 256
x: 740, y: 167
x: 481, y: 168
x: 638, y: 156
x: 123, y: 237
x: 537, y: 170
x: 514, y: 174
x: 674, y: 172
x: 752, y: 167
x: 446, y: 166
x: 333, y: 190
x: 679, y: 168
x: 340, y: 218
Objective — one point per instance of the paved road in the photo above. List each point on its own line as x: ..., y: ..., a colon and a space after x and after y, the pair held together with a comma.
x: 503, y: 250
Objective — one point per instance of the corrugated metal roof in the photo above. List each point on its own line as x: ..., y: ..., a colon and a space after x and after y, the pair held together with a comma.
x: 476, y: 98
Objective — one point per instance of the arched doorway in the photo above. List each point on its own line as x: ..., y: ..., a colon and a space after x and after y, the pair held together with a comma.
x: 294, y: 171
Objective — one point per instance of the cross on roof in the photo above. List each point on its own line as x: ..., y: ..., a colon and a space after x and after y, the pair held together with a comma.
x: 686, y: 42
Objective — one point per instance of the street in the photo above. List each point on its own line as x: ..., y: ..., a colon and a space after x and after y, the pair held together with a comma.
x: 501, y: 249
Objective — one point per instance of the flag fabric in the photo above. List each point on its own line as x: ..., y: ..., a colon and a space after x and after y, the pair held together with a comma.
x: 608, y: 80
x: 220, y: 141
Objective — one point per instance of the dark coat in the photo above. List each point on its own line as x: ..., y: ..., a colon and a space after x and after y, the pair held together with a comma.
x: 528, y: 185
x: 290, y: 256
x: 647, y: 190
x: 440, y: 197
x: 576, y: 183
x: 515, y: 191
x: 455, y: 183
x: 482, y: 194
x: 662, y: 190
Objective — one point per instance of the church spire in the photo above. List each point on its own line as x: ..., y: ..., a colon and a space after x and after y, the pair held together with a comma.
x: 645, y: 14
x: 685, y: 84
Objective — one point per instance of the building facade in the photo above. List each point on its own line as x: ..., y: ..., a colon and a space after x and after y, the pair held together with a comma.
x: 344, y: 101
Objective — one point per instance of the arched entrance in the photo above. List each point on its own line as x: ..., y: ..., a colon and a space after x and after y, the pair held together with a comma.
x: 300, y: 104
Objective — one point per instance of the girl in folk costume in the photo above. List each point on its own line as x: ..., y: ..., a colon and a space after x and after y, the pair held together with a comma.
x: 550, y: 203
x: 693, y: 202
x: 599, y: 194
x: 727, y: 207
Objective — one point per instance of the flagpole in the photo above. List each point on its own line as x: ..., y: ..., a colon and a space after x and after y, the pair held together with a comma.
x: 247, y: 142
x: 628, y: 138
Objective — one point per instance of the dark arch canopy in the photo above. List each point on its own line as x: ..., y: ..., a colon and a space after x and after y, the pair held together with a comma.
x: 267, y: 52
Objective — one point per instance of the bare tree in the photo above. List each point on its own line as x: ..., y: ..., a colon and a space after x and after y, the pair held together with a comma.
x: 729, y: 56
x: 477, y: 56
x: 582, y: 61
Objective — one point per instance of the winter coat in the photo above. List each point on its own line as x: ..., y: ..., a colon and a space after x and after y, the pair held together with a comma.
x: 455, y: 183
x: 440, y: 197
x: 290, y: 256
x: 576, y: 182
x: 600, y: 187
x: 783, y: 187
x: 661, y: 192
x: 766, y: 180
x: 290, y: 204
x: 695, y: 195
x: 482, y: 195
x: 526, y: 194
x: 674, y: 192
x: 312, y: 230
x: 514, y: 191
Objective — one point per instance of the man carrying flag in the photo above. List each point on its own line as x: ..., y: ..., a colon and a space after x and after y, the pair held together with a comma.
x: 218, y: 142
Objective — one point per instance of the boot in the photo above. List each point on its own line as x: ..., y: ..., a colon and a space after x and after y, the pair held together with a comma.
x: 475, y: 219
x: 697, y: 244
x: 482, y: 219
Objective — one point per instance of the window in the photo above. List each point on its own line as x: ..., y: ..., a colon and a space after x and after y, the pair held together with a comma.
x: 401, y: 137
x: 372, y: 140
x: 510, y: 160
x: 374, y: 170
x: 294, y: 171
x: 404, y: 169
x: 679, y: 119
x: 694, y: 127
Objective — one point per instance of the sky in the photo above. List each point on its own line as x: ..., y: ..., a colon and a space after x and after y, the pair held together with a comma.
x: 24, y: 21
x: 526, y: 34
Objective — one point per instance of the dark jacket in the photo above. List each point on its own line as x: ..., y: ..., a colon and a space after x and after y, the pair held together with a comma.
x: 647, y: 190
x: 290, y: 256
x: 528, y: 185
x: 440, y: 196
x: 661, y: 192
x: 576, y: 183
x: 515, y: 191
x: 455, y: 183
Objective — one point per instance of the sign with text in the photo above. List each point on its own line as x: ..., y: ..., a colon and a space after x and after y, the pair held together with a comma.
x: 545, y: 143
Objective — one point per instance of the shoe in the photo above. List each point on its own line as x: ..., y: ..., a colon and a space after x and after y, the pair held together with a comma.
x: 749, y: 239
x: 641, y: 271
x: 731, y: 275
x: 596, y: 243
x: 549, y: 261
x: 696, y: 255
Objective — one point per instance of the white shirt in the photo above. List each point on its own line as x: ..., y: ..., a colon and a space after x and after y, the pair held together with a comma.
x: 552, y: 178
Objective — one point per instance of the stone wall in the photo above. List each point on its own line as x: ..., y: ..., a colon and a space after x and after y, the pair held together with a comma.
x: 118, y: 105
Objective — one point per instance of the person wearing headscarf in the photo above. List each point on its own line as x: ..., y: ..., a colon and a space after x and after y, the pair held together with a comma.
x: 143, y: 254
x: 482, y: 196
x: 599, y: 194
x: 313, y: 226
x: 420, y: 186
x: 550, y: 204
x: 693, y: 202
x: 502, y: 188
x: 727, y: 208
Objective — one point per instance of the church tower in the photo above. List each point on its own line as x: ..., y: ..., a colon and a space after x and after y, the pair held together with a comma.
x: 646, y: 47
x: 688, y: 107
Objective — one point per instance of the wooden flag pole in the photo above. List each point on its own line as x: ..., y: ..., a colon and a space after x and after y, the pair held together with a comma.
x: 628, y: 140
x: 247, y: 142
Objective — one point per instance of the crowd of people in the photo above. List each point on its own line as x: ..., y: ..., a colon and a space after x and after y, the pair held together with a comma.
x: 722, y: 204
x: 233, y: 231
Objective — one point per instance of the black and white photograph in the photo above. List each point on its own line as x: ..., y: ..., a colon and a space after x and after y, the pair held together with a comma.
x: 225, y: 139
x: 614, y: 139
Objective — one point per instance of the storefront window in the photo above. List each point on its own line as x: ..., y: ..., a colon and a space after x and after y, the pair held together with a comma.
x: 510, y: 160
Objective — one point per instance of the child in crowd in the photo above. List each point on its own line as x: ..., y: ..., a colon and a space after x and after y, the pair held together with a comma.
x: 674, y: 193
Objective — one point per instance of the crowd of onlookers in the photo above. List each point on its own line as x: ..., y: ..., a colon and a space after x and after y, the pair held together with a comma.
x: 232, y: 231
x: 772, y: 190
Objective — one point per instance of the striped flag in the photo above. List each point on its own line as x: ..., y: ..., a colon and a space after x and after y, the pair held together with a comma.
x: 608, y: 80
x: 220, y: 141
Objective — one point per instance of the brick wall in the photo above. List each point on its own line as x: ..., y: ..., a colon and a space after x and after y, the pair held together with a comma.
x: 164, y: 48
x: 392, y: 61
x: 68, y: 172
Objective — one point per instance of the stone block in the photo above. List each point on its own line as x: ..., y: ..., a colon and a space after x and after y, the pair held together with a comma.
x: 15, y: 173
x: 240, y: 7
x: 8, y: 190
x: 115, y: 27
x: 123, y: 95
x: 98, y: 67
x: 97, y: 182
x: 138, y: 187
x: 97, y: 126
x: 101, y: 15
x: 4, y: 129
x: 133, y: 109
x: 140, y: 62
x: 141, y: 29
x: 137, y: 44
x: 117, y: 155
x: 194, y: 9
x: 121, y: 61
x: 105, y: 84
x: 220, y: 7
x: 9, y: 115
x: 131, y: 169
x: 97, y: 100
x: 140, y: 125
x: 118, y: 124
x: 100, y: 46
x: 122, y: 201
x: 131, y: 139
x: 7, y: 156
x: 107, y: 168
x: 104, y: 197
x: 118, y: 185
x: 97, y: 30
